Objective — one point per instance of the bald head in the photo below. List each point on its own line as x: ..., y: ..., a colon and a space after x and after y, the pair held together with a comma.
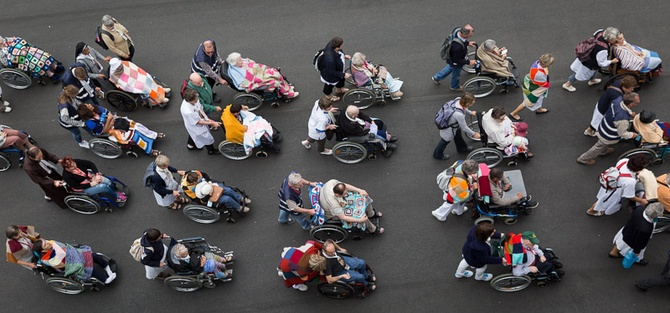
x: 352, y: 111
x: 195, y: 79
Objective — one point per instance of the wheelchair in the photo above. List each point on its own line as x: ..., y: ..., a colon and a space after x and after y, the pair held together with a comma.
x: 510, y: 283
x: 364, y: 96
x: 57, y: 280
x: 127, y: 102
x: 342, y: 290
x: 655, y: 152
x: 486, y: 212
x: 18, y: 79
x: 109, y: 148
x: 204, y: 214
x: 192, y: 281
x: 332, y: 229
x: 83, y: 203
x: 489, y: 154
x: 236, y: 151
x: 354, y: 149
x: 5, y: 158
x: 485, y: 83
x: 256, y: 97
x: 616, y: 73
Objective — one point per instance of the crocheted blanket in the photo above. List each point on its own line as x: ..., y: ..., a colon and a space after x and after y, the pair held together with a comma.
x: 355, y: 207
x: 78, y: 262
x: 26, y: 57
x: 320, y: 217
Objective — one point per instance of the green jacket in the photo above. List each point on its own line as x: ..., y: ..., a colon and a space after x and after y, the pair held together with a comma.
x: 205, y: 94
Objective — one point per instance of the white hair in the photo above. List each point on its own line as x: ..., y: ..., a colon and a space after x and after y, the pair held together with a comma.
x: 233, y: 57
x: 179, y: 249
x: 294, y: 179
x: 489, y: 44
x: 107, y: 20
x: 358, y: 59
x: 653, y: 210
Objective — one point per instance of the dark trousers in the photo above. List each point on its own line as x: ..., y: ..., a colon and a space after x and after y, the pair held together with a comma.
x: 99, y: 273
x: 328, y: 89
x: 210, y: 148
x: 131, y: 53
x: 461, y: 145
x: 660, y: 280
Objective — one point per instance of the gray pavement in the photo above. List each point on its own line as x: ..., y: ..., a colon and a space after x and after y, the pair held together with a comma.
x: 416, y: 258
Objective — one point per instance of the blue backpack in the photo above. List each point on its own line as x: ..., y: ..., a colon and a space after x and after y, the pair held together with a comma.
x: 445, y: 112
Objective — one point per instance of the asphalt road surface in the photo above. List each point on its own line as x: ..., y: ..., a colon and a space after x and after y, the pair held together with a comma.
x: 416, y: 258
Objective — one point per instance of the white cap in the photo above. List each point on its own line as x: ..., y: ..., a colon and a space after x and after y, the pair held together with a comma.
x: 114, y: 63
x: 203, y: 189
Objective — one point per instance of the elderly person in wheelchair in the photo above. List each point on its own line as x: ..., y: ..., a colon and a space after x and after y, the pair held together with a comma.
x: 200, y: 188
x: 341, y: 266
x: 195, y: 260
x: 124, y: 130
x: 129, y: 77
x: 246, y: 128
x: 80, y: 261
x: 494, y: 60
x: 635, y: 58
x: 83, y: 176
x: 353, y: 122
x: 507, y: 136
x: 366, y: 73
x: 523, y: 253
x: 336, y: 198
x: 249, y: 76
x: 16, y: 52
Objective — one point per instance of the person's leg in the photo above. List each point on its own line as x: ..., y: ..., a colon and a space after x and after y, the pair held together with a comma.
x: 480, y: 273
x: 102, y: 275
x: 459, y: 208
x: 320, y: 145
x: 456, y: 78
x: 355, y: 264
x: 462, y: 271
x: 597, y: 149
x: 443, y: 211
x: 109, y: 192
x: 515, y: 113
x: 438, y: 153
x: 15, y: 138
x: 339, y: 85
x: 461, y: 145
x: 283, y: 216
x: 211, y: 150
x: 76, y: 134
x: 443, y: 73
x: 659, y: 280
x: 132, y: 53
x: 571, y: 80
x: 303, y: 220
x: 327, y: 89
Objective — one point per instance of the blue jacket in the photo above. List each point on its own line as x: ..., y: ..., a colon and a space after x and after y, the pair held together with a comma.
x: 478, y: 253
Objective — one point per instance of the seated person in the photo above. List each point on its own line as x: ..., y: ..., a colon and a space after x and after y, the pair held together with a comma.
x: 663, y: 191
x: 13, y: 138
x: 332, y: 200
x: 508, y: 136
x: 295, y: 266
x: 184, y: 260
x: 353, y: 122
x: 17, y: 53
x: 345, y: 268
x: 249, y: 75
x: 19, y: 245
x: 493, y: 59
x: 527, y: 257
x: 649, y: 128
x: 199, y: 186
x: 83, y: 176
x: 131, y: 78
x: 634, y: 58
x: 365, y: 73
x: 87, y: 91
x: 100, y: 121
x: 249, y: 129
x: 78, y: 261
x: 500, y: 184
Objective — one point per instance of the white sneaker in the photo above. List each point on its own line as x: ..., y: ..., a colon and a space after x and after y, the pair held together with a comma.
x: 306, y: 144
x: 485, y: 277
x: 437, y: 217
x: 166, y: 100
x: 5, y: 103
x: 569, y: 88
x: 594, y: 81
x: 245, y: 209
x: 84, y: 144
x: 167, y: 90
x: 280, y: 273
x: 327, y: 152
x: 6, y: 109
x: 110, y: 279
x: 247, y: 201
x: 466, y: 274
x: 301, y: 287
x: 47, y: 198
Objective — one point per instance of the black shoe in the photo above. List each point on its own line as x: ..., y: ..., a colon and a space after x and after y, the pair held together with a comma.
x: 560, y: 273
x: 557, y: 264
x: 530, y: 204
x: 642, y: 262
x: 387, y: 153
x: 467, y: 150
x: 640, y: 288
x: 213, y: 152
x: 393, y: 139
x: 391, y: 146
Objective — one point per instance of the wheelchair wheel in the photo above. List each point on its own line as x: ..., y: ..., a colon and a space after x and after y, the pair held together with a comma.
x: 338, y: 290
x: 65, y: 285
x: 360, y: 97
x: 105, y: 148
x: 510, y: 283
x: 201, y: 214
x: 484, y: 219
x: 651, y: 154
x: 325, y: 232
x: 480, y: 86
x: 662, y: 224
x: 5, y: 162
x: 121, y: 100
x: 82, y: 204
x: 14, y: 78
x: 233, y: 151
x: 350, y: 80
x: 469, y: 68
x: 252, y: 100
x: 474, y: 125
x: 510, y: 220
x: 183, y: 283
x: 490, y: 156
x: 349, y: 152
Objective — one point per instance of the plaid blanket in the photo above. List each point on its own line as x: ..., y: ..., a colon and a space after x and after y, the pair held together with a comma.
x: 135, y: 80
x: 26, y: 57
x: 78, y: 262
x: 258, y: 75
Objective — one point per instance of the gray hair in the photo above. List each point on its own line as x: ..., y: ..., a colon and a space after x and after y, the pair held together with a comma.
x: 162, y: 161
x: 233, y: 57
x: 358, y: 59
x: 653, y: 210
x: 630, y: 97
x: 610, y: 34
x: 294, y: 179
x: 107, y: 20
x: 178, y: 249
x: 667, y: 178
x: 470, y: 167
x: 489, y: 44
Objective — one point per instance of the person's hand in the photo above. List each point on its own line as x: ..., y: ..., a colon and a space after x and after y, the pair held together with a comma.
x: 313, y: 212
x: 98, y: 89
x: 474, y: 113
x: 473, y: 62
x: 182, y: 173
x: 107, y: 58
x: 175, y: 193
x: 543, y: 259
x: 533, y: 269
x: 363, y: 192
x: 644, y: 201
x: 161, y: 264
x: 245, y: 128
x: 364, y: 219
x: 477, y: 135
x: 245, y: 108
x: 331, y: 126
x: 347, y: 75
x: 504, y: 262
x: 203, y: 260
x: 472, y: 43
x: 222, y: 81
x: 518, y: 195
x: 312, y: 183
x: 101, y: 76
x: 219, y: 109
x: 348, y: 57
x: 165, y: 235
x: 58, y: 183
x: 615, y: 60
x: 334, y: 109
x: 345, y: 276
x: 32, y: 265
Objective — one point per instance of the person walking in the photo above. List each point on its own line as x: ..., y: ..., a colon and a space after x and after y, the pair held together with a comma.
x: 455, y: 125
x: 457, y: 57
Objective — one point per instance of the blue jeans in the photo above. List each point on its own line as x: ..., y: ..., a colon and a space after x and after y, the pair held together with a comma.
x: 76, y: 133
x: 357, y: 270
x: 230, y: 198
x: 106, y: 187
x: 301, y: 218
x: 455, y: 72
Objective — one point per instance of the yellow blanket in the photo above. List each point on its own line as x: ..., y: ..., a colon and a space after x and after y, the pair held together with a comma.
x: 233, y: 127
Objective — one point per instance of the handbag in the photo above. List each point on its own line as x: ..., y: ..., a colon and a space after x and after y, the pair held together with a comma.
x: 629, y: 259
x: 217, y: 191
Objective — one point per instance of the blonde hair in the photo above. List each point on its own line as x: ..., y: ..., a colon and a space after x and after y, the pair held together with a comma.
x: 546, y: 60
x: 317, y: 262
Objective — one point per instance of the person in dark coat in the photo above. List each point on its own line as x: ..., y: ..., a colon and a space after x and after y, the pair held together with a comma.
x: 353, y: 122
x: 661, y: 280
x: 40, y: 165
x: 331, y: 67
x: 477, y: 252
x: 154, y: 253
x: 637, y: 232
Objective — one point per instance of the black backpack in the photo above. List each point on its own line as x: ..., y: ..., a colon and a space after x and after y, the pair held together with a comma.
x: 98, y: 37
x: 317, y: 60
x: 446, y: 45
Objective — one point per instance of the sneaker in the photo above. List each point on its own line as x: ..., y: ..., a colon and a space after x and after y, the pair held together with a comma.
x: 289, y: 221
x: 589, y: 162
x: 445, y: 157
x: 460, y: 88
x: 6, y: 109
x: 244, y: 209
x: 47, y: 198
x: 569, y: 88
x: 167, y: 90
x: 301, y: 287
x: 246, y: 201
x: 530, y: 204
x: 165, y: 100
x: 306, y: 144
x: 5, y: 103
x: 590, y: 132
x: 327, y: 152
x: 437, y: 82
x: 110, y: 278
x: 121, y: 197
x: 466, y: 274
x: 438, y: 218
x: 594, y: 81
x: 485, y: 277
x: 280, y: 273
x: 84, y: 144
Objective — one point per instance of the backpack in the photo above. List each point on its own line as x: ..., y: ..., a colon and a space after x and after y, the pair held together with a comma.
x: 446, y: 45
x: 98, y: 37
x: 584, y: 48
x: 445, y: 112
x: 317, y: 60
x: 183, y: 88
x: 136, y: 249
x: 445, y: 176
x: 148, y: 174
x: 610, y: 177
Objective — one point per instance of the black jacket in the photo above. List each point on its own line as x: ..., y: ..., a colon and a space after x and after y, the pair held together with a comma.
x: 154, y: 255
x: 637, y: 231
x: 332, y: 69
x: 351, y: 128
x: 458, y: 53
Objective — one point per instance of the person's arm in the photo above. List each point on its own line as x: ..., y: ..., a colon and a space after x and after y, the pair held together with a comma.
x: 209, y: 72
x: 622, y: 127
x: 111, y: 45
x: 334, y: 279
x: 602, y: 58
x: 65, y: 117
x: 460, y: 118
x: 640, y: 241
x: 109, y: 123
x: 497, y: 196
x: 292, y: 206
x: 350, y: 219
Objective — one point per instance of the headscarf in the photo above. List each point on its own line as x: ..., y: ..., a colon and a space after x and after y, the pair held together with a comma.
x: 81, y: 46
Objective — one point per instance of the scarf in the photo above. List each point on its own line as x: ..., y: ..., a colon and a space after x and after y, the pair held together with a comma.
x: 89, y: 90
x: 47, y: 166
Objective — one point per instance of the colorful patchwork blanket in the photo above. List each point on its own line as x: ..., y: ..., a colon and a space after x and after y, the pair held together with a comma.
x: 320, y: 217
x: 78, y: 262
x: 355, y: 207
x: 26, y: 57
x: 257, y: 75
x: 135, y: 80
x: 295, y: 263
x: 514, y: 250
